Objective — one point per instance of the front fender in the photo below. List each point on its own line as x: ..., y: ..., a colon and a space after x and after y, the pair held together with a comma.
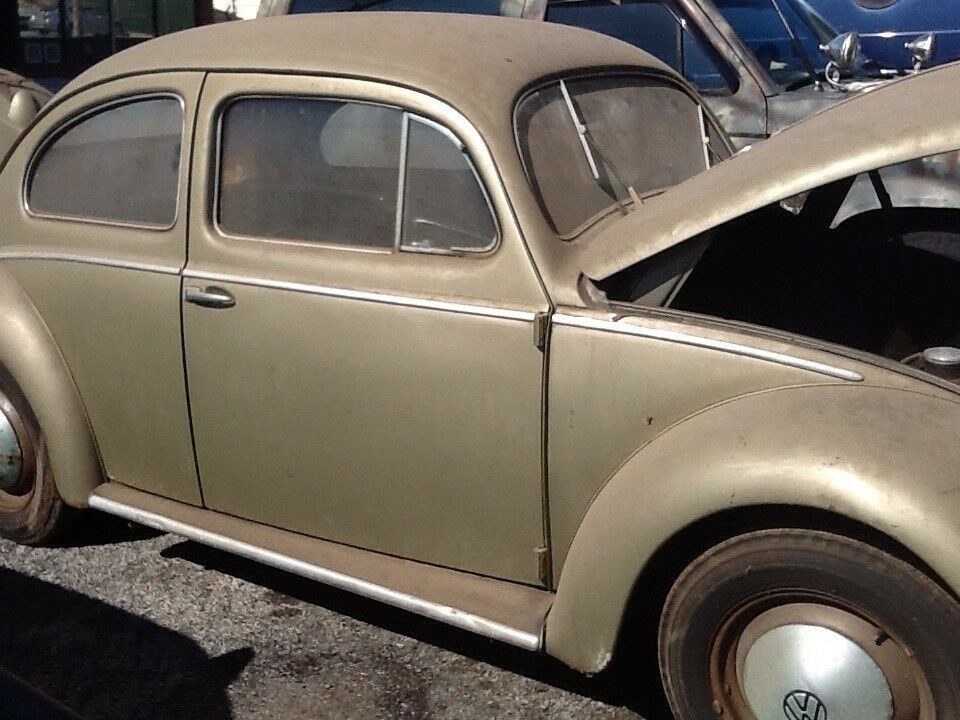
x: 887, y: 458
x: 31, y: 356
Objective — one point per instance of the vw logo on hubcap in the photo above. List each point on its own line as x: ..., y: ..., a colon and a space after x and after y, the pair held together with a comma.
x: 802, y: 705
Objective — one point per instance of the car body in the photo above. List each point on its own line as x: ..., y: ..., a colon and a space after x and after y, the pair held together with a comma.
x: 885, y: 26
x: 446, y: 323
x: 19, y: 101
x: 740, y: 54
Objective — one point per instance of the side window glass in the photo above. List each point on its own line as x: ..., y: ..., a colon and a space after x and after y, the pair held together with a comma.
x: 139, y: 141
x: 318, y: 6
x: 760, y: 24
x: 701, y: 69
x: 444, y: 207
x: 473, y: 7
x: 653, y: 26
x: 311, y: 170
x: 476, y: 7
x: 647, y: 25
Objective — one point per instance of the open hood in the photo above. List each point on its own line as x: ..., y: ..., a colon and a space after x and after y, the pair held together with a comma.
x: 904, y: 120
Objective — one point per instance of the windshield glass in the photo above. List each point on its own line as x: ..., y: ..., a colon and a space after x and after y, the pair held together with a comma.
x: 593, y: 145
x: 761, y: 27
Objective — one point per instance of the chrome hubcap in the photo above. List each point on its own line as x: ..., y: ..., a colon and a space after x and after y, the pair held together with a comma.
x: 11, y: 455
x: 808, y: 672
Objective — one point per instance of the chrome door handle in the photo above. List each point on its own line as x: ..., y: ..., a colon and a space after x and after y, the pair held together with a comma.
x: 211, y: 297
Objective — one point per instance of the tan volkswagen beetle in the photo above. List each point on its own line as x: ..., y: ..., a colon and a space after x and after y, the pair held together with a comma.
x: 450, y: 312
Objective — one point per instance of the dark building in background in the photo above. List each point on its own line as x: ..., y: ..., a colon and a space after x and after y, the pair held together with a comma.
x: 9, y: 34
x: 54, y: 40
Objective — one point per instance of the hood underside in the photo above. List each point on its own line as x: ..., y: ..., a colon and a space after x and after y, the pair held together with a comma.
x: 907, y: 119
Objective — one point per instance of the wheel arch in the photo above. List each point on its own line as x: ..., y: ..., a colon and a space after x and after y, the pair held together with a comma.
x: 29, y: 355
x: 637, y: 636
x: 741, y: 466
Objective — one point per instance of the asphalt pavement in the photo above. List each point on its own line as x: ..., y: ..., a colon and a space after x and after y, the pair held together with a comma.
x: 122, y: 623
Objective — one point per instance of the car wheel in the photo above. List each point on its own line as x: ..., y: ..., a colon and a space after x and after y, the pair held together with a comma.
x: 31, y: 511
x: 808, y: 625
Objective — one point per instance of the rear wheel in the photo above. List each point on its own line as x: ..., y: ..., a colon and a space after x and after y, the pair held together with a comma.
x: 809, y: 626
x: 31, y: 510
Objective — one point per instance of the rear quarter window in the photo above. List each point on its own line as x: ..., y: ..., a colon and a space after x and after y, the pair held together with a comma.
x: 120, y: 165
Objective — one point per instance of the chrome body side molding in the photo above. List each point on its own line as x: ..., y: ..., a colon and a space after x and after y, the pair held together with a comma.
x: 384, y: 298
x: 90, y: 260
x: 709, y: 343
x: 405, y: 601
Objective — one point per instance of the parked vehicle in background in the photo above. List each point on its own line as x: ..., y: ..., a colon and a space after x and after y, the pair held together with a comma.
x: 486, y: 323
x: 886, y: 26
x: 758, y: 63
x: 56, y: 39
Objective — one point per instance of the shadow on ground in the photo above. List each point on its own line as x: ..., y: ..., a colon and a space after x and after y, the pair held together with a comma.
x: 86, y: 529
x: 102, y: 662
x: 627, y: 683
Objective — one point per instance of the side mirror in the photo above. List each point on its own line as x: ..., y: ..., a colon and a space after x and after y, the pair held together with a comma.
x: 527, y: 9
x: 843, y: 50
x: 922, y: 50
x: 23, y: 108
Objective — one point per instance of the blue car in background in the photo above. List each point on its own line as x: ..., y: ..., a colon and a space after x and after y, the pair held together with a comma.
x: 761, y: 65
x: 885, y: 26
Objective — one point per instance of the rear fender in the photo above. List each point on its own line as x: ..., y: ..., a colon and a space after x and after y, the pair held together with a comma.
x: 30, y: 355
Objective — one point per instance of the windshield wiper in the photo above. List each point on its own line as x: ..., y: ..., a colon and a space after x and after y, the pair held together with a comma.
x: 581, y: 130
x: 586, y: 141
x: 709, y: 151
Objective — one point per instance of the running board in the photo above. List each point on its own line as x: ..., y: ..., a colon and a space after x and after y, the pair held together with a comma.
x: 501, y: 610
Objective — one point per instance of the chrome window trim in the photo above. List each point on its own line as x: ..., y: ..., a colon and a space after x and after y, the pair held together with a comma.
x: 213, y: 211
x: 704, y: 137
x: 420, y: 606
x: 367, y: 296
x: 402, y: 182
x: 442, y: 129
x: 456, y: 251
x: 708, y: 343
x: 74, y: 120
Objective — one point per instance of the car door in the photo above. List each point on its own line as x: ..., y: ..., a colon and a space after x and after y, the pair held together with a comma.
x: 359, y: 316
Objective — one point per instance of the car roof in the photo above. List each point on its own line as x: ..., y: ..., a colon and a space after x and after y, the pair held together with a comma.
x: 906, y: 119
x: 476, y: 63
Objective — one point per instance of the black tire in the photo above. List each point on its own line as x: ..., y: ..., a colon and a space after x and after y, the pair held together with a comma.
x: 708, y: 611
x: 32, y: 513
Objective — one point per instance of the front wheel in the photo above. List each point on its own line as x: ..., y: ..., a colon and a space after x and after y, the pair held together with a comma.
x: 808, y: 625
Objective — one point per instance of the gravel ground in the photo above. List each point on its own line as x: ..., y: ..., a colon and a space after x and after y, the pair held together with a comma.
x: 123, y: 623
